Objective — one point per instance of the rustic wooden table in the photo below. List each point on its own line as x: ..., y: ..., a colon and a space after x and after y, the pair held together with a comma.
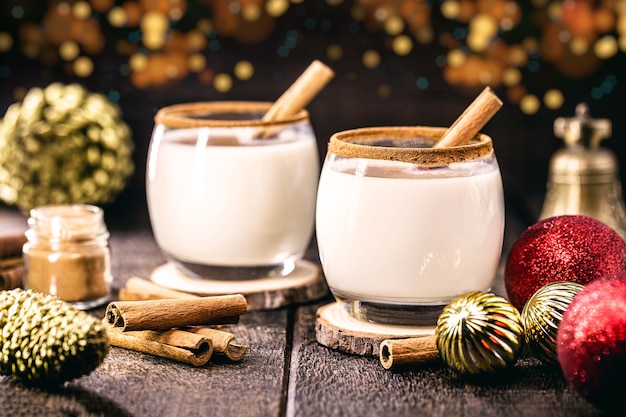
x: 285, y: 373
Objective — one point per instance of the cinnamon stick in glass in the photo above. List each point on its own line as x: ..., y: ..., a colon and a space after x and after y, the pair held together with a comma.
x: 469, y: 123
x: 172, y: 313
x: 301, y: 92
x: 174, y: 344
x: 297, y: 96
x: 414, y: 350
x: 222, y: 342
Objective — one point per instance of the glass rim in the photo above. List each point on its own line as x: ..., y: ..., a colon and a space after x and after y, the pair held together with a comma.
x: 354, y: 144
x: 179, y: 115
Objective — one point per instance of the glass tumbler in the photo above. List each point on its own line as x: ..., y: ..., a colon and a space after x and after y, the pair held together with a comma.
x: 403, y: 227
x: 231, y: 196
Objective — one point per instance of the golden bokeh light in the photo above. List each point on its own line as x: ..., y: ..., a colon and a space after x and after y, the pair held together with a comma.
x: 244, y: 70
x: 161, y: 42
x: 83, y: 66
x: 222, y: 82
x: 450, y: 9
x: 154, y: 22
x: 196, y: 40
x: 483, y: 24
x: 579, y: 46
x: 455, y: 58
x: 511, y: 77
x: 529, y: 104
x: 334, y: 52
x: 69, y: 50
x: 251, y: 12
x: 371, y: 58
x: 276, y: 8
x: 196, y: 62
x: 153, y: 40
x: 138, y: 62
x: 394, y: 25
x: 117, y: 17
x: 606, y: 47
x: 553, y: 99
x: 204, y: 26
x: 81, y: 10
x: 402, y: 45
x: 6, y: 41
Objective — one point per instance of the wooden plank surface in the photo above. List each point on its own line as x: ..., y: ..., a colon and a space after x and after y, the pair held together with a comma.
x: 134, y: 384
x: 286, y: 373
x: 324, y: 382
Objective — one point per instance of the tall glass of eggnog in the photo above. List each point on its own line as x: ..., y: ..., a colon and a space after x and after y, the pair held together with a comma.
x: 231, y: 196
x: 403, y: 227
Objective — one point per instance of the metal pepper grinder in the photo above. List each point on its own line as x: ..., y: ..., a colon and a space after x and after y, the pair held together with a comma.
x: 583, y: 177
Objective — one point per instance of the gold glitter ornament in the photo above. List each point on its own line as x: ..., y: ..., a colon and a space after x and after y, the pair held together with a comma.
x: 63, y: 145
x: 478, y: 333
x: 46, y: 341
x: 542, y: 315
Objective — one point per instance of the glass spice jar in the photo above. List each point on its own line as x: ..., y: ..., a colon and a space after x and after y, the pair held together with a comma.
x: 67, y: 254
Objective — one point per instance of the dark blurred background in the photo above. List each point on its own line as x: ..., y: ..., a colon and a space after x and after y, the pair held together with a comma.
x: 397, y: 62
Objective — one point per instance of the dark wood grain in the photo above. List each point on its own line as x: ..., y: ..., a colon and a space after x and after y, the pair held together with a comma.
x: 285, y: 373
x: 131, y: 383
x: 324, y: 382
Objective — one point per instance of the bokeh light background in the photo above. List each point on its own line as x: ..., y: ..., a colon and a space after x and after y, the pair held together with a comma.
x: 397, y: 62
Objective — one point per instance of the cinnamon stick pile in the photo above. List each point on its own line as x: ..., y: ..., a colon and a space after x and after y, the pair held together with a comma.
x: 177, y: 329
x: 11, y: 261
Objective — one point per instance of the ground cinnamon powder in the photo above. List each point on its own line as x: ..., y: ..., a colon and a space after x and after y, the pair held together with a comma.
x: 67, y: 254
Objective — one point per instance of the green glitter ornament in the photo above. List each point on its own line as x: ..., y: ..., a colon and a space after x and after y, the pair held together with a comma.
x: 479, y: 332
x: 46, y: 341
x: 542, y: 315
x: 63, y: 145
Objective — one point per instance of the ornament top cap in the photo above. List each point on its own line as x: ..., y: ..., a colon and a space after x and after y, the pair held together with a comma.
x: 582, y: 129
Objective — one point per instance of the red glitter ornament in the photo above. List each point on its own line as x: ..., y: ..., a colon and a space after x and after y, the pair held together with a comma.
x: 591, y: 342
x: 562, y: 248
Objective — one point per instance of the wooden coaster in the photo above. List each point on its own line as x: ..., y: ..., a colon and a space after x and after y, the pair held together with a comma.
x: 305, y: 283
x: 337, y: 329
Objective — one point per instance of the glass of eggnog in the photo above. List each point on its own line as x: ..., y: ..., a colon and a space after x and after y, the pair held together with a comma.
x: 403, y: 227
x: 231, y: 196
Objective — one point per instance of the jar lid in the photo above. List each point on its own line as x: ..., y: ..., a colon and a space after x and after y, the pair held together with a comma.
x: 67, y: 222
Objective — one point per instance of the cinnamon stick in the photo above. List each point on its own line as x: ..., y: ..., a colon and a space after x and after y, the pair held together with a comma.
x: 142, y: 289
x: 176, y: 345
x: 171, y: 313
x: 413, y: 350
x: 301, y: 92
x: 469, y: 123
x: 11, y: 245
x: 8, y: 263
x: 222, y: 342
x: 12, y: 277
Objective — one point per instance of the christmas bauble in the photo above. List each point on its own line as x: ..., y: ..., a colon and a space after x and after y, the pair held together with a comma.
x: 562, y: 248
x: 591, y: 342
x: 479, y: 332
x: 542, y: 315
x: 61, y: 145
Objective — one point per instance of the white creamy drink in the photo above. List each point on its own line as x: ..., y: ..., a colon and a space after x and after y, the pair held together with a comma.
x: 222, y: 197
x: 393, y: 233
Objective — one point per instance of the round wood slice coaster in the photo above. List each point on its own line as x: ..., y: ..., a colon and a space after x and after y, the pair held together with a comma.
x: 306, y: 283
x: 337, y: 329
